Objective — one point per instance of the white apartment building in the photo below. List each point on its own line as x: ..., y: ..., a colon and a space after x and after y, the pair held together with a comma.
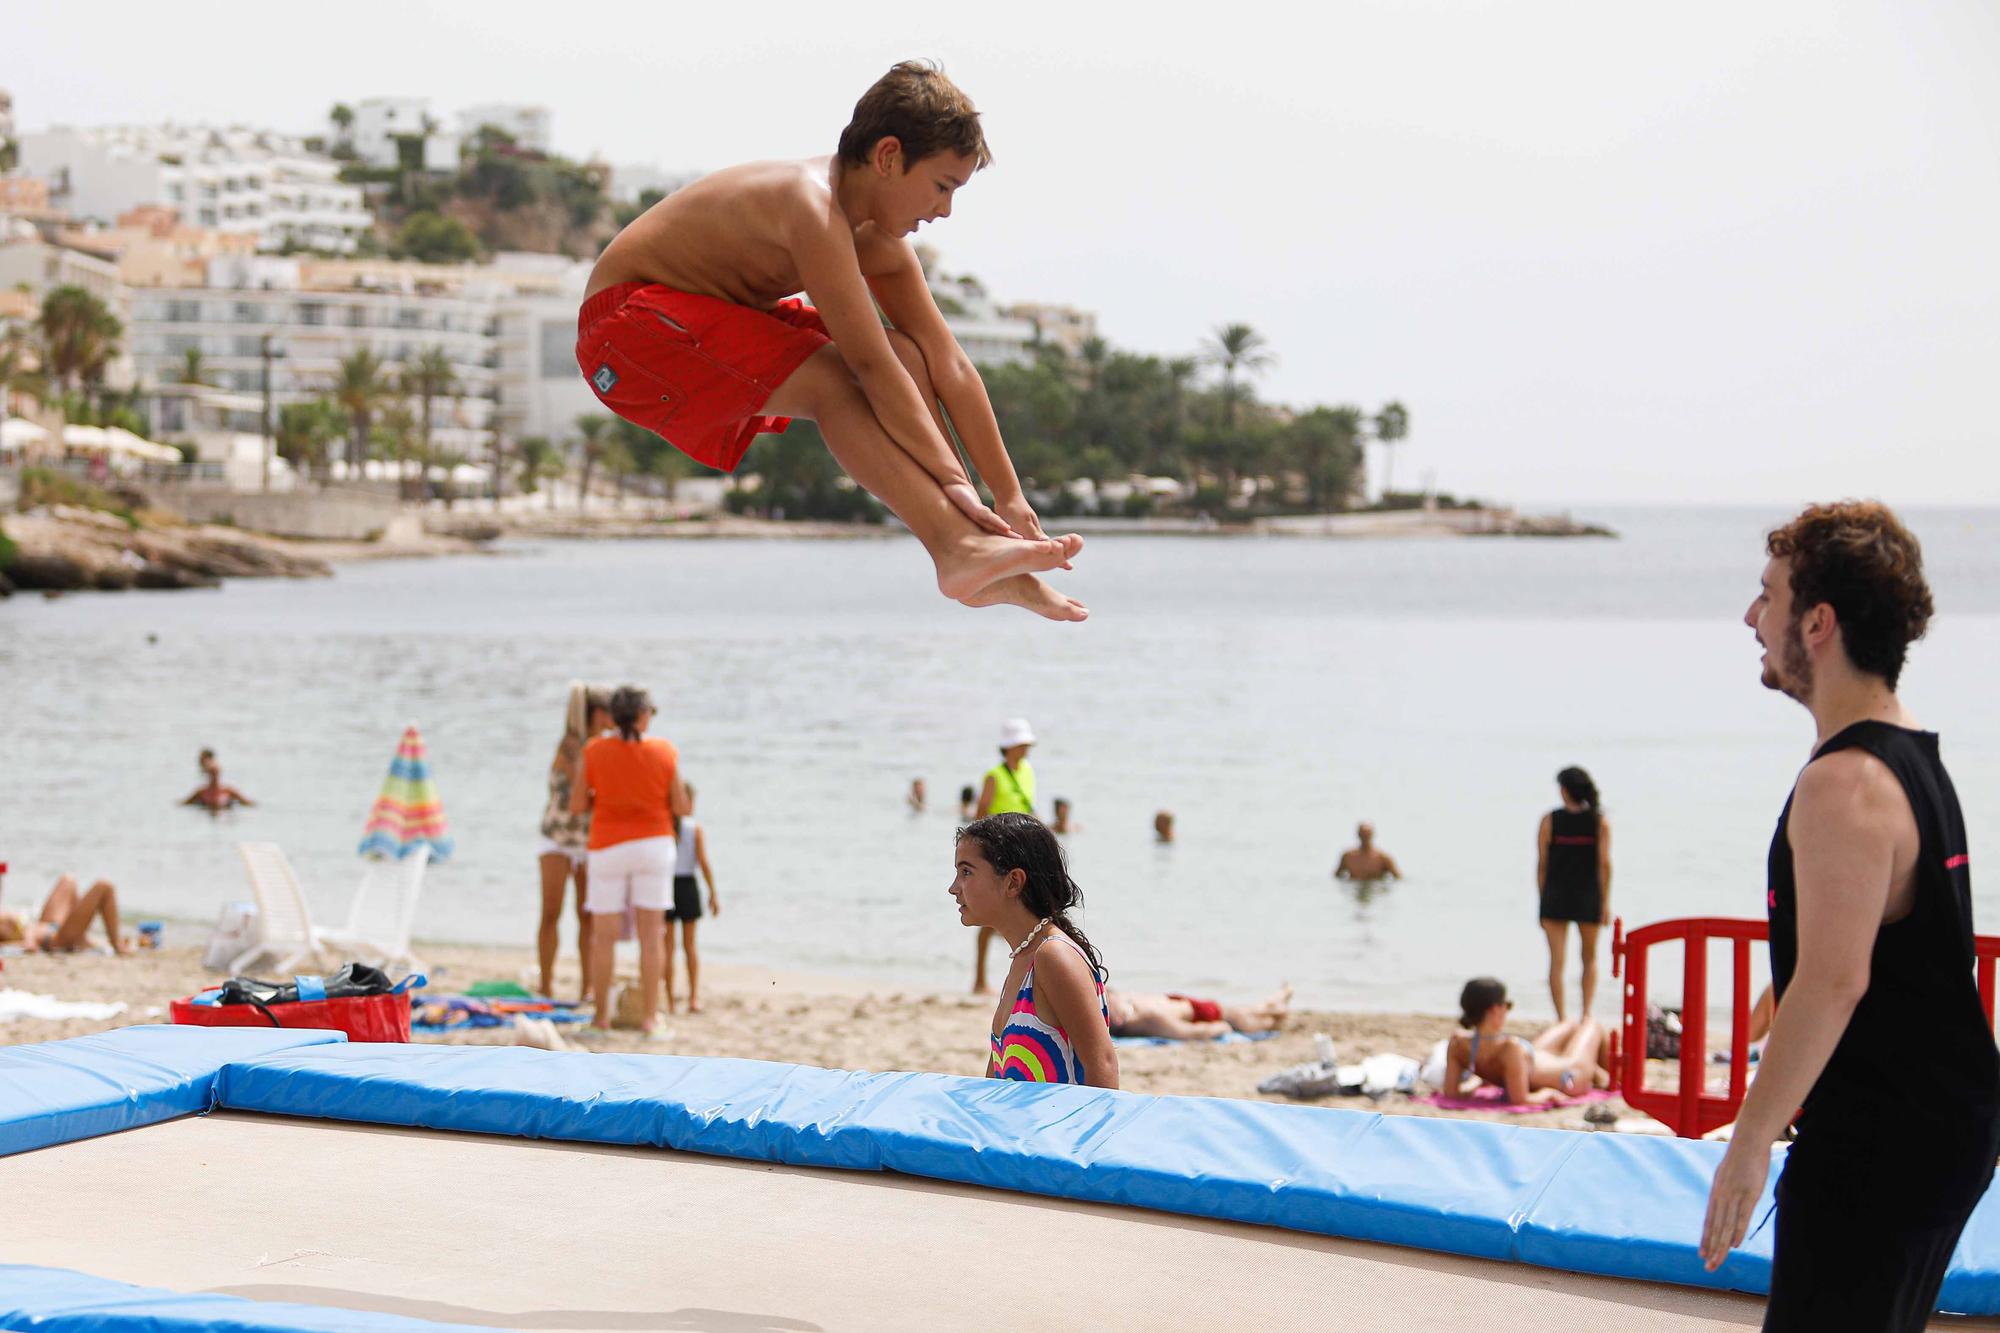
x: 234, y: 180
x: 1066, y: 326
x: 379, y: 122
x: 989, y: 337
x: 529, y: 126
x: 317, y: 313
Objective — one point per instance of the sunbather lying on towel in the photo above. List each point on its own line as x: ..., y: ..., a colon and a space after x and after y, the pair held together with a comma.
x: 1568, y: 1059
x: 1184, y: 1018
x: 65, y: 919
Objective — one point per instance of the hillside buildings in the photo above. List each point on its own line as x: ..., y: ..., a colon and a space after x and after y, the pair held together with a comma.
x: 236, y: 181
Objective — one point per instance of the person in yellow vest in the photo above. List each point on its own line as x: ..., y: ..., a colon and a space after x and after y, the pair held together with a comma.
x: 1009, y: 788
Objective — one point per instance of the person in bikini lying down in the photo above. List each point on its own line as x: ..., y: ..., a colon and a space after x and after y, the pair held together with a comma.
x: 1185, y: 1018
x: 1570, y: 1058
x: 65, y: 919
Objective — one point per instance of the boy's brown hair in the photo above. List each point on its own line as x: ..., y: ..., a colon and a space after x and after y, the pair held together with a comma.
x: 1859, y: 558
x: 915, y: 104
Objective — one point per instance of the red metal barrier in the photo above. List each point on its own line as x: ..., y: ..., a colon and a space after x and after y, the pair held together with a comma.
x: 1691, y: 1110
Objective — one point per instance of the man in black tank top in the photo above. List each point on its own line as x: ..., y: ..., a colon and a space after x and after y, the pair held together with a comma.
x: 1880, y: 1034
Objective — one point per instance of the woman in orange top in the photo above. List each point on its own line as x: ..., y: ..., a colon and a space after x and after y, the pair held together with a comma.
x: 631, y: 785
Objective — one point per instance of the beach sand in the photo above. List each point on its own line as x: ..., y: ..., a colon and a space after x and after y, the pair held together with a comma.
x: 758, y: 1014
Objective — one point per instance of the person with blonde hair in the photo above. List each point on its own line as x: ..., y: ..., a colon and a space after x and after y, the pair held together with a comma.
x: 563, y: 850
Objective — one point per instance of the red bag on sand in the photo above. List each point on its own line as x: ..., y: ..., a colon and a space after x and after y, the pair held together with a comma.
x: 362, y: 1018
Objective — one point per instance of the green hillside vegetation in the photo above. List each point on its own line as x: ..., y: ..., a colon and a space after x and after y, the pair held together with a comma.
x: 501, y: 197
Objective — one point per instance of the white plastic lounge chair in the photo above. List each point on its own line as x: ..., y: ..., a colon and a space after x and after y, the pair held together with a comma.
x: 286, y: 937
x: 385, y: 907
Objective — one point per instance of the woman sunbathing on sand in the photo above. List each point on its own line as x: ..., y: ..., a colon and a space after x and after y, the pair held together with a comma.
x: 65, y: 919
x: 1050, y: 1026
x: 1568, y: 1059
x: 1185, y: 1018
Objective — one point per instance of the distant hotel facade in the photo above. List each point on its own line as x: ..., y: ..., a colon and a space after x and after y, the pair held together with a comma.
x: 233, y: 181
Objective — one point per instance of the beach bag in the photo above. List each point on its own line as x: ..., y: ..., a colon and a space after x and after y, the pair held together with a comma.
x: 237, y: 928
x: 1663, y: 1033
x: 358, y: 1000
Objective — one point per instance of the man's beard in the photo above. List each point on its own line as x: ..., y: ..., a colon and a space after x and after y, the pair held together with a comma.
x: 1789, y: 670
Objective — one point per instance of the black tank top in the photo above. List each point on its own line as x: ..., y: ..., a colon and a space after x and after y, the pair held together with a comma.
x: 1573, y: 852
x: 1908, y: 1107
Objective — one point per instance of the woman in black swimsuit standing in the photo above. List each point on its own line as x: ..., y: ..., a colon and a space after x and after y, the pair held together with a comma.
x: 1573, y: 875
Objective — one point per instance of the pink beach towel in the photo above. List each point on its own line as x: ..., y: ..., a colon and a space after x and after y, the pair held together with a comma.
x: 1491, y: 1097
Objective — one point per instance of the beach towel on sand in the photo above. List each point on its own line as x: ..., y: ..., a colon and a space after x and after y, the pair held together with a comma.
x: 1225, y: 1038
x: 1493, y: 1097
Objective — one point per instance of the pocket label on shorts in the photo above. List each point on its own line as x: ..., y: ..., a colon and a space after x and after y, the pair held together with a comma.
x: 605, y: 379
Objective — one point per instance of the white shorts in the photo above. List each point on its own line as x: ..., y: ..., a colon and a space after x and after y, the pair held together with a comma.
x: 637, y: 874
x: 550, y: 847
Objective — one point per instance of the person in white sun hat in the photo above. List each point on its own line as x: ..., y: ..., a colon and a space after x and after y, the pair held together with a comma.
x: 1009, y: 787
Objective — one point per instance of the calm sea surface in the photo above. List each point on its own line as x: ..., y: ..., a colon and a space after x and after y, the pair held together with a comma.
x: 1270, y: 692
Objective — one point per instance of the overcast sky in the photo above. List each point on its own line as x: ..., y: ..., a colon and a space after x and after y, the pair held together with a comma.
x: 1729, y: 252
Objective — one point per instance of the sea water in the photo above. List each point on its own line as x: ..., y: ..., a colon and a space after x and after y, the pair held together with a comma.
x: 1270, y: 692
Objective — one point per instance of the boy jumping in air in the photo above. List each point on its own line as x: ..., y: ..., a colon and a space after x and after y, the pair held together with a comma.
x: 691, y: 328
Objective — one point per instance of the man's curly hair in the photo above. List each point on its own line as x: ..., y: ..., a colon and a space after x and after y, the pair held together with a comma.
x: 1857, y: 557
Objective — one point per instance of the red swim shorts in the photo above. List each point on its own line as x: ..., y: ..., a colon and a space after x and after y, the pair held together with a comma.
x: 1205, y: 1011
x: 694, y: 370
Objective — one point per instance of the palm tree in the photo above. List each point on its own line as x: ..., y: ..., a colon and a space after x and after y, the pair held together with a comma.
x: 539, y: 461
x: 1180, y: 373
x: 306, y: 429
x: 79, y: 336
x: 1238, y: 349
x: 1392, y: 423
x: 499, y: 468
x: 192, y: 369
x: 429, y: 376
x: 396, y: 430
x: 618, y: 461
x: 590, y: 427
x: 360, y: 387
x: 16, y: 354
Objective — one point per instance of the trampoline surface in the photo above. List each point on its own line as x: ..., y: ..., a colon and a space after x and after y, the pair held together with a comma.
x: 532, y: 1234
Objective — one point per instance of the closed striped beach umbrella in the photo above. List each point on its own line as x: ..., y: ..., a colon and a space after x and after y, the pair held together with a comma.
x: 408, y: 813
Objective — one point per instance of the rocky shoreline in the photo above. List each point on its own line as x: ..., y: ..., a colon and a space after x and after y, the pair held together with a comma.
x: 66, y: 548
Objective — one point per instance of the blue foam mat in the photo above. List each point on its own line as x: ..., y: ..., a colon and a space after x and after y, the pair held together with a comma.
x: 60, y: 1300
x: 56, y: 1091
x: 1623, y: 1206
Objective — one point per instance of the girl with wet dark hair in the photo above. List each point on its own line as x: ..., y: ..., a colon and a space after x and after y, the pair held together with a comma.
x: 1051, y: 1027
x: 1573, y: 876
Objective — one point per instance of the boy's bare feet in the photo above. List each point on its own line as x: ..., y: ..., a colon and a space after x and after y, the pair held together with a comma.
x: 977, y: 561
x: 1032, y: 594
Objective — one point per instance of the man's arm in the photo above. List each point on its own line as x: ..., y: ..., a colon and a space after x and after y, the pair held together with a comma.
x: 820, y: 240
x: 1390, y: 868
x: 1847, y: 815
x: 1542, y: 856
x: 906, y: 299
x: 985, y: 806
x: 1343, y: 870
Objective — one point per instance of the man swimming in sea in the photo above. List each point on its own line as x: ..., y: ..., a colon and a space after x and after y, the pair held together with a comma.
x: 1367, y: 861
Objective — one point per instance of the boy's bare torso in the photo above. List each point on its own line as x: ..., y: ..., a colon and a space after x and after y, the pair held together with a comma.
x: 725, y: 235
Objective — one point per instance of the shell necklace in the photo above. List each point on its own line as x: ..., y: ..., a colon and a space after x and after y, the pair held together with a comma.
x: 1015, y: 952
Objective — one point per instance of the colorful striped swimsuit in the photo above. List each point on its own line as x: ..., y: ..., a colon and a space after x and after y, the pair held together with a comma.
x: 1032, y: 1051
